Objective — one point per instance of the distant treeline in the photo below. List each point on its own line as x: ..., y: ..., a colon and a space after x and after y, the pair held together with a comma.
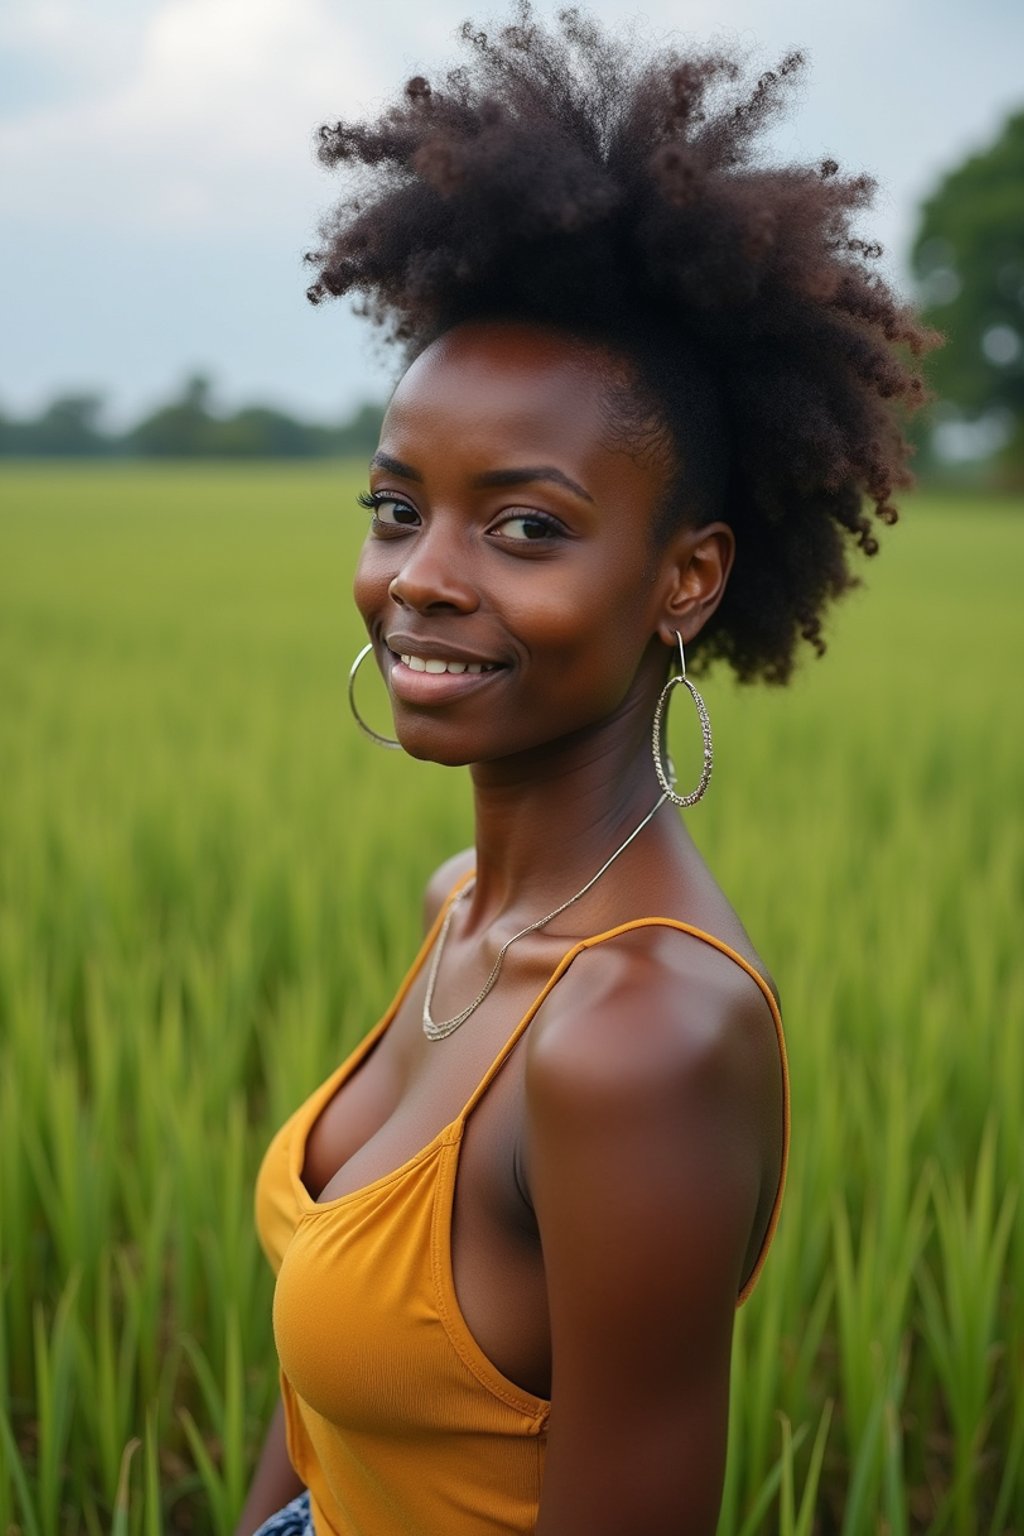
x: 186, y: 428
x: 189, y: 427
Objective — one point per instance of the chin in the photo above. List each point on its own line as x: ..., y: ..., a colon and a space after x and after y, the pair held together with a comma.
x: 430, y: 746
x: 425, y: 754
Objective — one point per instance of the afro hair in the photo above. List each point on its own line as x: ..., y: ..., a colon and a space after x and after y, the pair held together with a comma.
x: 565, y: 177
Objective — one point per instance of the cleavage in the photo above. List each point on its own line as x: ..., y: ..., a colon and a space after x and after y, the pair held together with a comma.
x: 403, y: 1094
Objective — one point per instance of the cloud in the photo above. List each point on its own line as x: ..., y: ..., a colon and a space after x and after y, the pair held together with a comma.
x: 159, y: 180
x: 189, y: 116
x: 201, y: 121
x: 62, y: 51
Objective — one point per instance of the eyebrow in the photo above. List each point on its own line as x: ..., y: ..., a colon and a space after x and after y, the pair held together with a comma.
x: 492, y: 477
x: 395, y: 466
x: 535, y: 472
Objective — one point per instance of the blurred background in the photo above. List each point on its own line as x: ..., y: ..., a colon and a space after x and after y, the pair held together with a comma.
x: 210, y: 883
x: 160, y: 189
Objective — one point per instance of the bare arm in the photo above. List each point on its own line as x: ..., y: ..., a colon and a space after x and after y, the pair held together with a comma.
x: 646, y: 1164
x: 275, y: 1481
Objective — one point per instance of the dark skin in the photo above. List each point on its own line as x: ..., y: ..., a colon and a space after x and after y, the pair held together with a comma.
x: 616, y: 1182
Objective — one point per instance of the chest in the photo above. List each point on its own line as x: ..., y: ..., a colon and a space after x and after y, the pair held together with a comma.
x: 405, y: 1089
x: 451, y: 1111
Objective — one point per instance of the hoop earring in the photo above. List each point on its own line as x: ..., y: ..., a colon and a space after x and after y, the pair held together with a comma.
x: 667, y: 780
x: 375, y: 736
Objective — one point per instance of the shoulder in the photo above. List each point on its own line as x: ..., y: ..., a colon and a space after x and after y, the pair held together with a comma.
x: 652, y: 1010
x: 646, y: 1151
x: 441, y: 881
x: 657, y: 1054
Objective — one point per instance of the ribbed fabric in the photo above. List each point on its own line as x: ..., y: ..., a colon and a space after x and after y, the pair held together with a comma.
x: 397, y: 1422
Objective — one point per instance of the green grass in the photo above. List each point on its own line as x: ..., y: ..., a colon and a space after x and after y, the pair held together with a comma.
x: 194, y: 927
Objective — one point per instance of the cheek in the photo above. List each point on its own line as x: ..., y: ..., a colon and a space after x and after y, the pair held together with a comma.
x: 371, y: 580
x: 587, y: 635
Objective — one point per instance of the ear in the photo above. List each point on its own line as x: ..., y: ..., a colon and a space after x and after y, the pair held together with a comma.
x: 696, y: 569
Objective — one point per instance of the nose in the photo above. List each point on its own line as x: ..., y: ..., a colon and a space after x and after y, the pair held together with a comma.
x: 432, y: 578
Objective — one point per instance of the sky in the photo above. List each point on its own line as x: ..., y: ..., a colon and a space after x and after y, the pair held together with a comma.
x: 158, y: 185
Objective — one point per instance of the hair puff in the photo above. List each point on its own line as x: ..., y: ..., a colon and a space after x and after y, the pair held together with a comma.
x: 565, y: 177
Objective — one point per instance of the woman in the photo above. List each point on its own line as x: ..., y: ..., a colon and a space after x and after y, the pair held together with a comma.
x: 651, y: 385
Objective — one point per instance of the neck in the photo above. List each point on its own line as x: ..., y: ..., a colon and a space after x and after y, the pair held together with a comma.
x: 548, y: 820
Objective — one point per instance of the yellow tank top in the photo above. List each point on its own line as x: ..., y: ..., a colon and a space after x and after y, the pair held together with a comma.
x: 397, y: 1422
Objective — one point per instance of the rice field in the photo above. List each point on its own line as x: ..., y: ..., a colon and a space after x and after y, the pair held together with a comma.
x: 194, y: 927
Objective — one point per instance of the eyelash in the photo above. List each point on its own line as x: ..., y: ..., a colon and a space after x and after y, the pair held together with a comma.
x: 371, y: 500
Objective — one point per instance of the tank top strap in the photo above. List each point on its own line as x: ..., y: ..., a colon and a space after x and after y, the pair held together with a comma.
x: 426, y: 946
x: 724, y: 949
x: 706, y: 938
x: 520, y: 1029
x: 602, y: 938
x: 370, y: 1039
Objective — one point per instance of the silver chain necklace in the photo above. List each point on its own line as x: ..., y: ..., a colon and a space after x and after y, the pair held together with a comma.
x: 435, y: 1030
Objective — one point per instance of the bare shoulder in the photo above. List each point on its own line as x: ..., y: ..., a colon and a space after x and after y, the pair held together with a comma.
x: 651, y: 1145
x: 654, y: 1008
x: 657, y: 1055
x: 442, y: 880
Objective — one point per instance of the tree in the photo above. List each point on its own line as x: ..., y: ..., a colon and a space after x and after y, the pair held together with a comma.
x: 68, y: 427
x: 358, y: 437
x: 182, y: 429
x: 969, y: 261
x: 187, y: 428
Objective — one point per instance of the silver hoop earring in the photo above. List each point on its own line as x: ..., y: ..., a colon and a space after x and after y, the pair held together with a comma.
x: 375, y: 736
x: 664, y: 778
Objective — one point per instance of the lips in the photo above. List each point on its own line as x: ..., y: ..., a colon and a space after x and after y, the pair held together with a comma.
x: 424, y: 673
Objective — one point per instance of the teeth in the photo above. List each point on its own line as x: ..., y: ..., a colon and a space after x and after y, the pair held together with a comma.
x: 435, y: 665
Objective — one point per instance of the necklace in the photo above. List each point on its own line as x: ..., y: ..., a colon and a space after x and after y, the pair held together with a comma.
x: 440, y: 1030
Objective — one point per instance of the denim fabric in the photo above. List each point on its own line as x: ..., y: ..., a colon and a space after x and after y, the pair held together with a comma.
x: 293, y: 1520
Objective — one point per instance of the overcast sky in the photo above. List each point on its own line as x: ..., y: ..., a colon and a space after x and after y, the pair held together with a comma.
x: 158, y: 183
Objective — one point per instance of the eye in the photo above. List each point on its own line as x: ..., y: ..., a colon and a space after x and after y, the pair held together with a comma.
x: 389, y: 511
x: 529, y: 528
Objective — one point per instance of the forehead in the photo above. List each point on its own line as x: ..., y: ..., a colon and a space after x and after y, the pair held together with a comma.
x: 495, y: 390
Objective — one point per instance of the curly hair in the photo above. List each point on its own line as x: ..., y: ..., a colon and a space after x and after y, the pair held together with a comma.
x: 563, y: 178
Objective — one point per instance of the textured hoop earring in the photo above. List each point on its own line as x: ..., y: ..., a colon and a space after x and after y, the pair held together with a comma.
x: 705, y: 729
x: 375, y: 736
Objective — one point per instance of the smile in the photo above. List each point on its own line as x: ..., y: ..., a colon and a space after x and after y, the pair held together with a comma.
x: 437, y: 664
x: 427, y: 681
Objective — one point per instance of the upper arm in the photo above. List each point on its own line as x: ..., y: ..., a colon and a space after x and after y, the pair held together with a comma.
x: 645, y: 1163
x: 441, y: 881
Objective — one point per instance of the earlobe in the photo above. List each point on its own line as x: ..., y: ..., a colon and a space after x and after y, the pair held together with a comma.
x: 699, y: 566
